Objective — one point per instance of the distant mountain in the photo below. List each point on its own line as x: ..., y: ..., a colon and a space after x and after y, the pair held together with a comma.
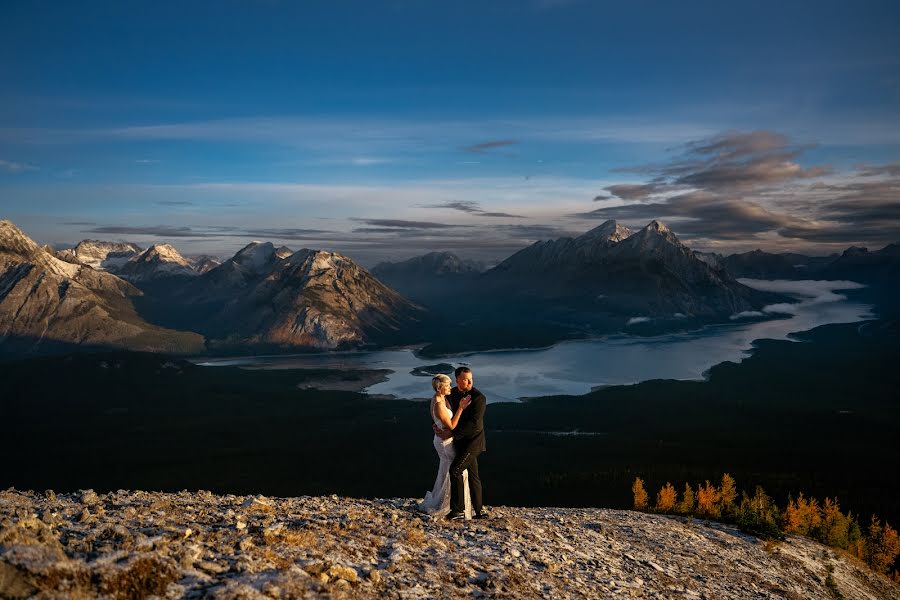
x: 202, y: 263
x: 855, y: 264
x: 157, y: 261
x: 233, y: 276
x: 309, y: 299
x: 101, y: 255
x: 569, y: 255
x: 649, y: 273
x: 881, y: 267
x: 47, y: 304
x: 283, y: 252
x: 428, y: 265
x: 429, y: 279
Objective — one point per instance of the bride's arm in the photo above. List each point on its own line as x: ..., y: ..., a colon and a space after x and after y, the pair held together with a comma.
x: 462, y: 406
x: 442, y: 416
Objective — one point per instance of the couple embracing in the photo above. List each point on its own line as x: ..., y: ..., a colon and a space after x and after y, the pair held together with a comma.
x: 457, y: 416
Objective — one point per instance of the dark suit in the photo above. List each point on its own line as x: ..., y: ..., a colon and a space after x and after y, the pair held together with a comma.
x: 469, y: 442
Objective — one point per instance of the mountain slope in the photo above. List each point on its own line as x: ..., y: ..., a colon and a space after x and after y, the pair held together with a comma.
x: 309, y: 299
x: 48, y: 304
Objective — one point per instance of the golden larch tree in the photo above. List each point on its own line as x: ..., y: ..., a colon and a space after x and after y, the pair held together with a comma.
x: 707, y: 500
x: 685, y: 506
x: 665, y: 498
x: 640, y: 494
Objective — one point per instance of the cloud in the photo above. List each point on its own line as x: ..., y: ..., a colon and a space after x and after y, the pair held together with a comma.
x: 487, y: 146
x: 628, y: 191
x: 83, y: 223
x: 174, y: 202
x: 214, y: 231
x: 11, y: 166
x: 634, y: 320
x: 472, y: 208
x: 892, y: 169
x: 739, y: 187
x: 164, y: 231
x: 401, y: 224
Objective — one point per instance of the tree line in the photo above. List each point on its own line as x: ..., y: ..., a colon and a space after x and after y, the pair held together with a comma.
x: 878, y: 545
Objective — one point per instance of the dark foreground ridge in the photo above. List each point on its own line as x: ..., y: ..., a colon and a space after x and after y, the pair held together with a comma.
x: 190, y: 545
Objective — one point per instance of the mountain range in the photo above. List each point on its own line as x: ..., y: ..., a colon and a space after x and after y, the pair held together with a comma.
x: 607, y: 279
x: 49, y: 304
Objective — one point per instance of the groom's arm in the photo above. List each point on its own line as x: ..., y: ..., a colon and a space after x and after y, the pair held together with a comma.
x: 475, y: 423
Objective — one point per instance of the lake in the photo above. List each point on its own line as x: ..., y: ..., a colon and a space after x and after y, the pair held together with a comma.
x: 577, y: 367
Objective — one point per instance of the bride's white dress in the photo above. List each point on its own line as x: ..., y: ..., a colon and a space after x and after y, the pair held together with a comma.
x: 437, y: 501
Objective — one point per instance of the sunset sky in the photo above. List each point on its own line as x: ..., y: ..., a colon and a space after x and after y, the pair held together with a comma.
x: 384, y: 130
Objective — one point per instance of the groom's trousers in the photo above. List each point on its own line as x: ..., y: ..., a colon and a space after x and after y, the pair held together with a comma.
x: 465, y: 459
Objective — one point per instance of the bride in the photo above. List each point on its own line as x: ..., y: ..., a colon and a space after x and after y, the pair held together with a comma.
x: 437, y: 501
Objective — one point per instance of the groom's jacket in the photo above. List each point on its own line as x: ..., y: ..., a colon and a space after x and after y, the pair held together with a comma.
x: 469, y: 432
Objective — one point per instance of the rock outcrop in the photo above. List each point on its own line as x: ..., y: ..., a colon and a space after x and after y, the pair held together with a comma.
x: 47, y: 304
x: 188, y: 545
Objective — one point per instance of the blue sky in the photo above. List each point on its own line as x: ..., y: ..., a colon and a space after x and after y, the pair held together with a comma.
x: 388, y: 129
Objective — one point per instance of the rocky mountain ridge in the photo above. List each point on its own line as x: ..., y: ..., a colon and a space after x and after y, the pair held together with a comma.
x: 48, y: 303
x: 186, y: 545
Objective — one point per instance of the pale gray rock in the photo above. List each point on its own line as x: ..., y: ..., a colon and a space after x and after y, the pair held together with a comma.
x: 390, y: 551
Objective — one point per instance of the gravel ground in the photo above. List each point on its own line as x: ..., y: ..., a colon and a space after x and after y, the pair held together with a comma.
x: 197, y: 544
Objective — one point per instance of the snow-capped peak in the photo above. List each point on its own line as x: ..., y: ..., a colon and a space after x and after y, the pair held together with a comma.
x: 255, y: 256
x: 164, y: 253
x: 610, y: 231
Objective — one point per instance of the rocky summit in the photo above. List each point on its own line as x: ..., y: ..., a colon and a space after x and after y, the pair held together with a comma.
x: 191, y: 545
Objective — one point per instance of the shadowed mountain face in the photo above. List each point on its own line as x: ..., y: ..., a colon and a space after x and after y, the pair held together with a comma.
x: 564, y: 256
x: 856, y: 264
x: 428, y: 265
x: 608, y: 279
x: 47, y: 304
x: 649, y: 273
x: 430, y: 279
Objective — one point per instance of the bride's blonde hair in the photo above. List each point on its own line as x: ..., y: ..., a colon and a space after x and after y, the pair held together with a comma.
x: 438, y: 380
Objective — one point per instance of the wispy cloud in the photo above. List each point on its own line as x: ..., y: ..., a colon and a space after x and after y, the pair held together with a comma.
x: 487, y: 146
x: 470, y: 207
x: 401, y: 224
x: 11, y: 166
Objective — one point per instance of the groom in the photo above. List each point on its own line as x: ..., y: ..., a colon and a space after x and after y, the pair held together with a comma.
x: 468, y: 441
